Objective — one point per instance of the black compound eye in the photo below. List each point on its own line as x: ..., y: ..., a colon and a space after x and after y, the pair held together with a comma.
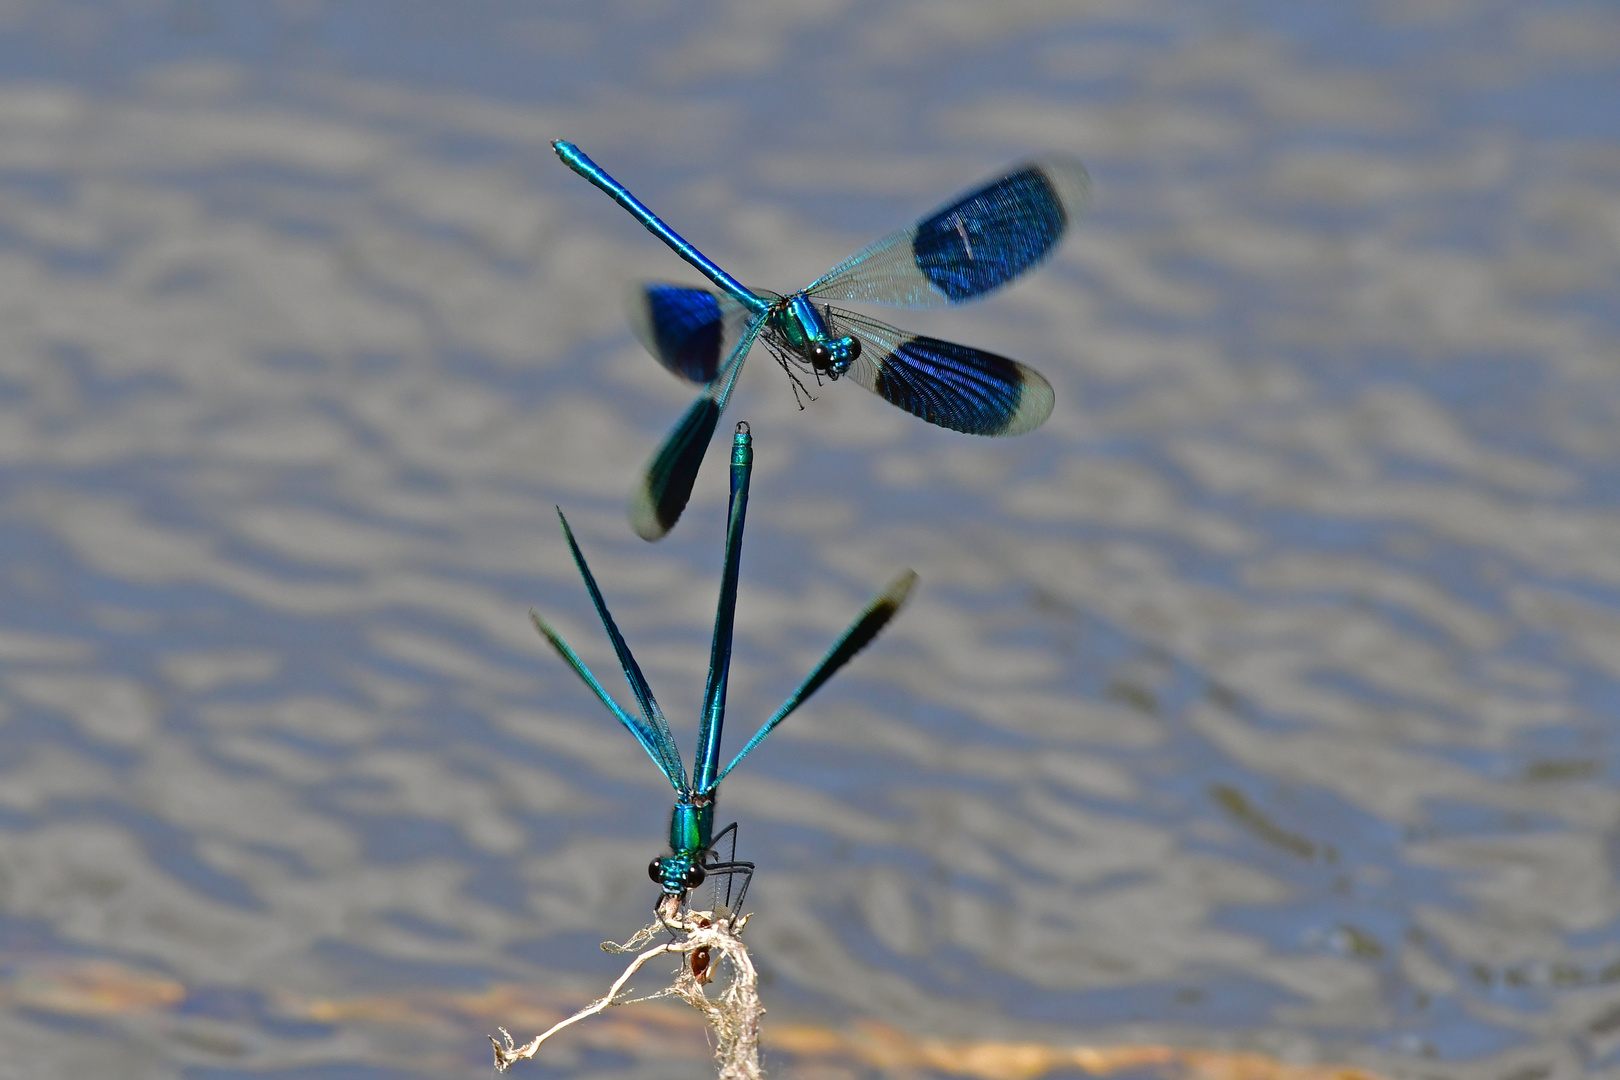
x: 821, y: 356
x: 852, y: 348
x: 655, y: 870
x: 693, y: 877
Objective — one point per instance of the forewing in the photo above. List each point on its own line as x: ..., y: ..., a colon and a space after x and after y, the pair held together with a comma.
x: 667, y: 484
x: 657, y: 748
x: 655, y: 728
x: 876, y: 615
x: 690, y: 331
x: 969, y: 247
x: 949, y: 385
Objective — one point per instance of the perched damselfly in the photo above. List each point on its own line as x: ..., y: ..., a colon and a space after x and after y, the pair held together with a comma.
x: 692, y: 839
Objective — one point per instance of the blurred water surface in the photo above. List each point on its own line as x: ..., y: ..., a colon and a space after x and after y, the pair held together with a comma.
x: 1265, y: 697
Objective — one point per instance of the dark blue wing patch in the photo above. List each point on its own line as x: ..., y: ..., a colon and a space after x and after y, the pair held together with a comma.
x: 683, y: 327
x: 958, y: 387
x: 949, y: 385
x: 673, y: 470
x: 991, y: 236
x: 667, y: 484
x: 970, y: 247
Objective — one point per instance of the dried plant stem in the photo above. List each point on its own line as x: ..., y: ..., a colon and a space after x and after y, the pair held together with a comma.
x: 704, y: 940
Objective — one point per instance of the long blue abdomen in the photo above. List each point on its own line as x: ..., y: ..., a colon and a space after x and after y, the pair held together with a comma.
x: 706, y: 768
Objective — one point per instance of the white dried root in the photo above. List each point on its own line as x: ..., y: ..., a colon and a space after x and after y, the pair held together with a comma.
x: 705, y: 939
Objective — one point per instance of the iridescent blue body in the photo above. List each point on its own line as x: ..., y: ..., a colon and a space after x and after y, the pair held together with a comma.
x: 692, y: 839
x: 962, y: 251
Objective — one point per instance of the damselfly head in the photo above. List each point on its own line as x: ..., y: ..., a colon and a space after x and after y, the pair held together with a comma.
x: 832, y: 358
x: 677, y: 875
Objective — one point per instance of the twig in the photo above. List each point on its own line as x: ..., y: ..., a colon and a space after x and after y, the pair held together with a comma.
x: 704, y: 941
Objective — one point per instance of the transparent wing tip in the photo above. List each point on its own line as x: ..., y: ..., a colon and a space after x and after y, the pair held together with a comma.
x: 638, y: 314
x: 1071, y: 181
x: 898, y: 592
x: 549, y: 634
x: 646, y: 519
x: 666, y: 485
x: 1035, y: 400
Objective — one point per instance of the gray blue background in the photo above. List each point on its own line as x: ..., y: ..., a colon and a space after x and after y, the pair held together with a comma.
x: 1264, y: 698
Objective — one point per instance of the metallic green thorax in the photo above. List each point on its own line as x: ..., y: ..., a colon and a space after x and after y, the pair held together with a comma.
x: 691, y: 825
x: 691, y: 833
x: 691, y: 822
x: 806, y: 331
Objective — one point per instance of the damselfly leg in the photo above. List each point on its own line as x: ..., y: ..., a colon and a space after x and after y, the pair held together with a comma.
x: 730, y: 868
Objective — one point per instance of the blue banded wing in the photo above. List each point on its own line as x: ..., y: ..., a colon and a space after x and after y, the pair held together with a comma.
x: 690, y: 331
x: 969, y: 247
x: 949, y: 385
x: 653, y: 730
x: 858, y: 636
x: 667, y: 486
